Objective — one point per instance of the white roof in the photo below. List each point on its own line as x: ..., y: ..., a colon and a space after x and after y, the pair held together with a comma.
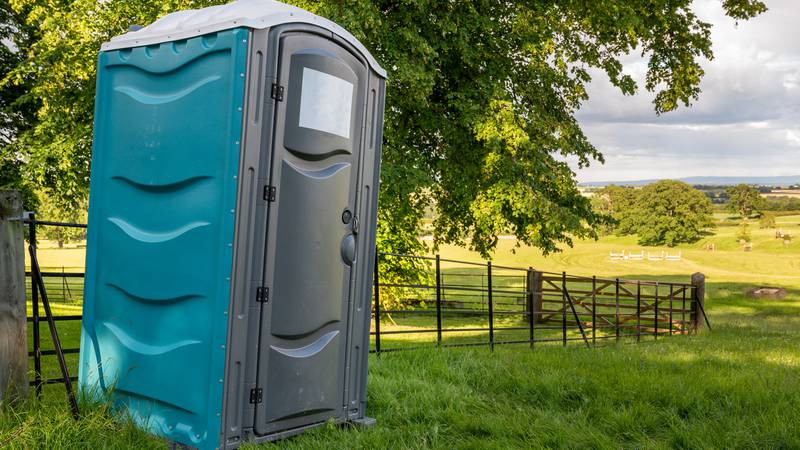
x: 256, y: 14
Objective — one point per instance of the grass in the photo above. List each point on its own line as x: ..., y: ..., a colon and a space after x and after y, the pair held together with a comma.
x: 735, y: 387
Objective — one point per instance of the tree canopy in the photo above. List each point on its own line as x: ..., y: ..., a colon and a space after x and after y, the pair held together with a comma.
x: 672, y: 212
x: 664, y: 213
x: 17, y: 108
x: 618, y: 203
x: 481, y: 100
x: 745, y: 200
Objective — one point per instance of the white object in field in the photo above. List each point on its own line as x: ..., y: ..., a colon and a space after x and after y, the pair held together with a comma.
x: 655, y: 257
x: 636, y: 256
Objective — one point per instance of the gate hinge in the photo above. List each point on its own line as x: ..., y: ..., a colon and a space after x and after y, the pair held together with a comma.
x: 256, y: 395
x: 262, y: 295
x: 269, y: 193
x: 277, y: 92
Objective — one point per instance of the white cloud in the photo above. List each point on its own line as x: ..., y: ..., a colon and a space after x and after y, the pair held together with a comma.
x: 745, y: 122
x: 793, y: 137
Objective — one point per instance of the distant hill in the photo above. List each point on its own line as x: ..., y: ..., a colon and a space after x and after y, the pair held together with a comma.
x: 715, y: 181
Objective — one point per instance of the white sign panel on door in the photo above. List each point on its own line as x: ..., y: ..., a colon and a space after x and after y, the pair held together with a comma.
x: 326, y: 103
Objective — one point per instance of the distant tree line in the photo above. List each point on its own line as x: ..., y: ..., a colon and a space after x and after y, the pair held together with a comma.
x: 720, y: 195
x: 746, y: 201
x: 671, y: 212
x: 781, y: 204
x: 664, y: 213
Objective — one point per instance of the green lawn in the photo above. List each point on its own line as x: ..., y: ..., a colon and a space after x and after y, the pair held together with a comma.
x: 735, y: 387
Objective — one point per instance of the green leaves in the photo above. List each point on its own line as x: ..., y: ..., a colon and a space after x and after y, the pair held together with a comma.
x: 480, y: 109
x: 744, y: 200
x: 744, y: 9
x: 664, y: 213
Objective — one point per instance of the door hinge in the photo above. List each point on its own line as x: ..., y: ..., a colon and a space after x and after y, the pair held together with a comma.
x: 269, y: 193
x: 256, y: 395
x: 277, y: 92
x: 262, y: 295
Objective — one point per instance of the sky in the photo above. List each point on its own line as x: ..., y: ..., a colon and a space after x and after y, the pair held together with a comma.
x: 745, y: 123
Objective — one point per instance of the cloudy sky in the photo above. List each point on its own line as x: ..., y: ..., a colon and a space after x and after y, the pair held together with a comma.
x: 746, y: 122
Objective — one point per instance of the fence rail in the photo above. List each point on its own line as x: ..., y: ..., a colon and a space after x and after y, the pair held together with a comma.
x: 464, y: 303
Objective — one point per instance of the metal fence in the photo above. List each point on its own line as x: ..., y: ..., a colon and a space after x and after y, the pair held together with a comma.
x: 61, y: 289
x: 470, y: 304
x: 460, y: 303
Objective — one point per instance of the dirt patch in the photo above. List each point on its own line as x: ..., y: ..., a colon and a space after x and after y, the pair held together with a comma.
x: 767, y: 292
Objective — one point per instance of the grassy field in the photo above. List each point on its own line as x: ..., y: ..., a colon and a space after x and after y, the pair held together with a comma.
x: 735, y: 387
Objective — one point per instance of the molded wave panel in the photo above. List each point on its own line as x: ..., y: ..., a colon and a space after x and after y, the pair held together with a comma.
x: 161, y: 228
x: 311, y: 207
x: 295, y: 386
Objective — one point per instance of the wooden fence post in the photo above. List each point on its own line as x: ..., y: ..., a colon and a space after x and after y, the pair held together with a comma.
x: 698, y: 300
x: 13, y: 332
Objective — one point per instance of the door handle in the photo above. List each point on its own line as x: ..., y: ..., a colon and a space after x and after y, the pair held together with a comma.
x: 348, y: 249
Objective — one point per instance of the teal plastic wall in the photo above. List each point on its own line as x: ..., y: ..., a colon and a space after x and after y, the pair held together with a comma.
x: 168, y: 124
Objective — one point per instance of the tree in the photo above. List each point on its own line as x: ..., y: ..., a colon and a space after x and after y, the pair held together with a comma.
x: 481, y: 100
x: 52, y: 210
x: 671, y: 212
x: 743, y: 235
x: 618, y: 203
x: 17, y: 108
x: 744, y: 200
x: 781, y: 203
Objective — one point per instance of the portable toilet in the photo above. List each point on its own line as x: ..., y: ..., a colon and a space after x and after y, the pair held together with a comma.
x: 232, y: 224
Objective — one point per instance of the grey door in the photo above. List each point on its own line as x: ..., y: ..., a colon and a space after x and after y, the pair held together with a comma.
x: 312, y: 233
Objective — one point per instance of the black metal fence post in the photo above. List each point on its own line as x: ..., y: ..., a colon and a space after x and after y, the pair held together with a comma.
x: 531, y: 313
x: 491, y: 305
x: 655, y: 315
x: 438, y: 302
x: 594, y: 310
x: 36, y: 274
x: 671, y: 295
x: 616, y: 311
x: 638, y: 311
x: 564, y: 308
x: 683, y: 312
x: 377, y: 306
x: 37, y: 342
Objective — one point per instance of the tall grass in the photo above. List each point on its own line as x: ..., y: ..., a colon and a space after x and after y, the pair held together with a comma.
x: 48, y: 424
x: 735, y: 387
